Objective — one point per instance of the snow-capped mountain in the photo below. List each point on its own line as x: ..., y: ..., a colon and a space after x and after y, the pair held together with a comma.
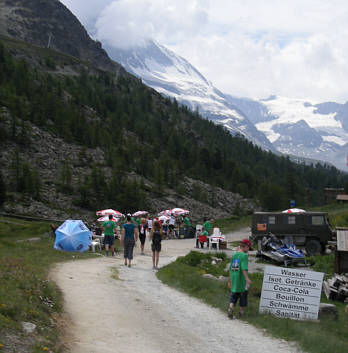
x: 309, y: 130
x: 301, y: 128
x: 175, y: 77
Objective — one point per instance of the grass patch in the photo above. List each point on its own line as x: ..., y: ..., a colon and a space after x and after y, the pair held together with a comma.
x: 25, y: 292
x: 322, y: 263
x: 115, y: 274
x: 234, y: 244
x: 232, y: 223
x: 328, y: 335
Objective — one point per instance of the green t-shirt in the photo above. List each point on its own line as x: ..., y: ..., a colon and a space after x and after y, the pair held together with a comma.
x: 137, y: 220
x: 109, y: 227
x: 239, y: 262
x: 207, y: 226
x: 205, y: 233
x: 187, y: 222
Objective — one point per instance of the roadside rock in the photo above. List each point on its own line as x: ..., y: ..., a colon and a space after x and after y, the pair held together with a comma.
x: 28, y: 327
x: 220, y: 278
x: 328, y: 310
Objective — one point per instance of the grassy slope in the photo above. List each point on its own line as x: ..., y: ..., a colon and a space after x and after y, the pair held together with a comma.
x: 25, y: 293
x: 338, y: 214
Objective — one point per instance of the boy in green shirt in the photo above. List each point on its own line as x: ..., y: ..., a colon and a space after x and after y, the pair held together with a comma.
x: 239, y: 281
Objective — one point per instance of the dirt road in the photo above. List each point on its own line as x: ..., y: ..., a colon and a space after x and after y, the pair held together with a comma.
x: 137, y: 313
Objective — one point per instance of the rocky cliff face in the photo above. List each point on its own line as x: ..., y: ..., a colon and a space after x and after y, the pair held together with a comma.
x: 48, y: 23
x: 48, y: 154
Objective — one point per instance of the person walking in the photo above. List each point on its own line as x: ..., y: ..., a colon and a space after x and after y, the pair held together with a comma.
x: 128, y: 238
x: 171, y: 233
x: 142, y: 234
x: 109, y: 237
x: 165, y: 229
x: 156, y: 237
x: 149, y: 224
x: 239, y: 281
x: 187, y: 226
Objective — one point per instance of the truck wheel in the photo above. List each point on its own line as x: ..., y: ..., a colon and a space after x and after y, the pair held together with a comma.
x: 313, y: 247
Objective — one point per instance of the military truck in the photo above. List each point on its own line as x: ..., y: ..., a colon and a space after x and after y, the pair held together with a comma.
x: 309, y: 229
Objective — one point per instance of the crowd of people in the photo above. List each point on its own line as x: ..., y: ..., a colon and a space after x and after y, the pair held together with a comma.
x: 141, y: 228
x: 157, y: 230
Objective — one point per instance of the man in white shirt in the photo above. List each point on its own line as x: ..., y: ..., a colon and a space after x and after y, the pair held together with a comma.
x: 149, y: 224
x: 171, y: 227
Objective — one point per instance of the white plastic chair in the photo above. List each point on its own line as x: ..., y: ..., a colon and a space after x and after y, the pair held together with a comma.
x: 95, y: 243
x: 199, y: 229
x: 216, y: 232
x: 213, y: 240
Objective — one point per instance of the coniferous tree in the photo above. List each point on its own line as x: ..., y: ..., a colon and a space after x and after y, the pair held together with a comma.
x: 65, y: 177
x: 3, y: 187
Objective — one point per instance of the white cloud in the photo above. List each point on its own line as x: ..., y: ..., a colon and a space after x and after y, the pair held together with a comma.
x: 86, y: 10
x: 125, y: 23
x: 249, y: 48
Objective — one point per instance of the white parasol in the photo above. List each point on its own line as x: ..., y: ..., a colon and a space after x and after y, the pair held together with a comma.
x: 294, y: 210
x: 109, y: 211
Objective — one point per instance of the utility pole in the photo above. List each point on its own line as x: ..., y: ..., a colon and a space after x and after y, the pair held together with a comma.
x: 50, y: 35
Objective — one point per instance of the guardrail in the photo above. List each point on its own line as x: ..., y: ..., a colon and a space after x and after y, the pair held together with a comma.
x: 30, y: 218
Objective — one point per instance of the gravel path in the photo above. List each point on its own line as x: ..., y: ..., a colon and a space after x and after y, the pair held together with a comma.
x: 137, y: 313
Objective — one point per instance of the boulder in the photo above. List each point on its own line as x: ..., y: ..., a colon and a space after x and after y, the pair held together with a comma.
x: 208, y: 275
x: 28, y: 327
x: 328, y: 310
x: 220, y: 278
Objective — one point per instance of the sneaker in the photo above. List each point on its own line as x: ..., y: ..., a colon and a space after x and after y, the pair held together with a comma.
x: 240, y: 315
x: 129, y: 265
x: 230, y: 313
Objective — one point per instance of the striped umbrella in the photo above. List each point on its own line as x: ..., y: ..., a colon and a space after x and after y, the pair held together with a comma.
x: 110, y: 211
x: 140, y: 213
x: 106, y: 218
x: 179, y: 212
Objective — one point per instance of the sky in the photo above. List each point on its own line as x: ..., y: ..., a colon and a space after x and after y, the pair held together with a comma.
x: 247, y: 48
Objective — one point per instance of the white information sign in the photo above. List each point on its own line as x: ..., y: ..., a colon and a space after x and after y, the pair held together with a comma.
x: 342, y: 239
x: 291, y: 293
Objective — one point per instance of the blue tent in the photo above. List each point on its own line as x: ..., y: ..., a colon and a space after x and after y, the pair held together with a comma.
x: 73, y: 235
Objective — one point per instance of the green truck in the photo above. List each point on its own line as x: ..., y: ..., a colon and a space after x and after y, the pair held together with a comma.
x: 309, y: 229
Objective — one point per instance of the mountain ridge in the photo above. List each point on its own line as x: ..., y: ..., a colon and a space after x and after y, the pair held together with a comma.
x: 174, y: 76
x: 49, y: 23
x: 262, y: 121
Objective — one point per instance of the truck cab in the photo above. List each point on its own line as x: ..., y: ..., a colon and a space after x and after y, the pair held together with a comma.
x: 309, y: 229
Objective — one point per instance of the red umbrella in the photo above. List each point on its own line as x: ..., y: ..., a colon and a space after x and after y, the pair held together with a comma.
x: 109, y: 211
